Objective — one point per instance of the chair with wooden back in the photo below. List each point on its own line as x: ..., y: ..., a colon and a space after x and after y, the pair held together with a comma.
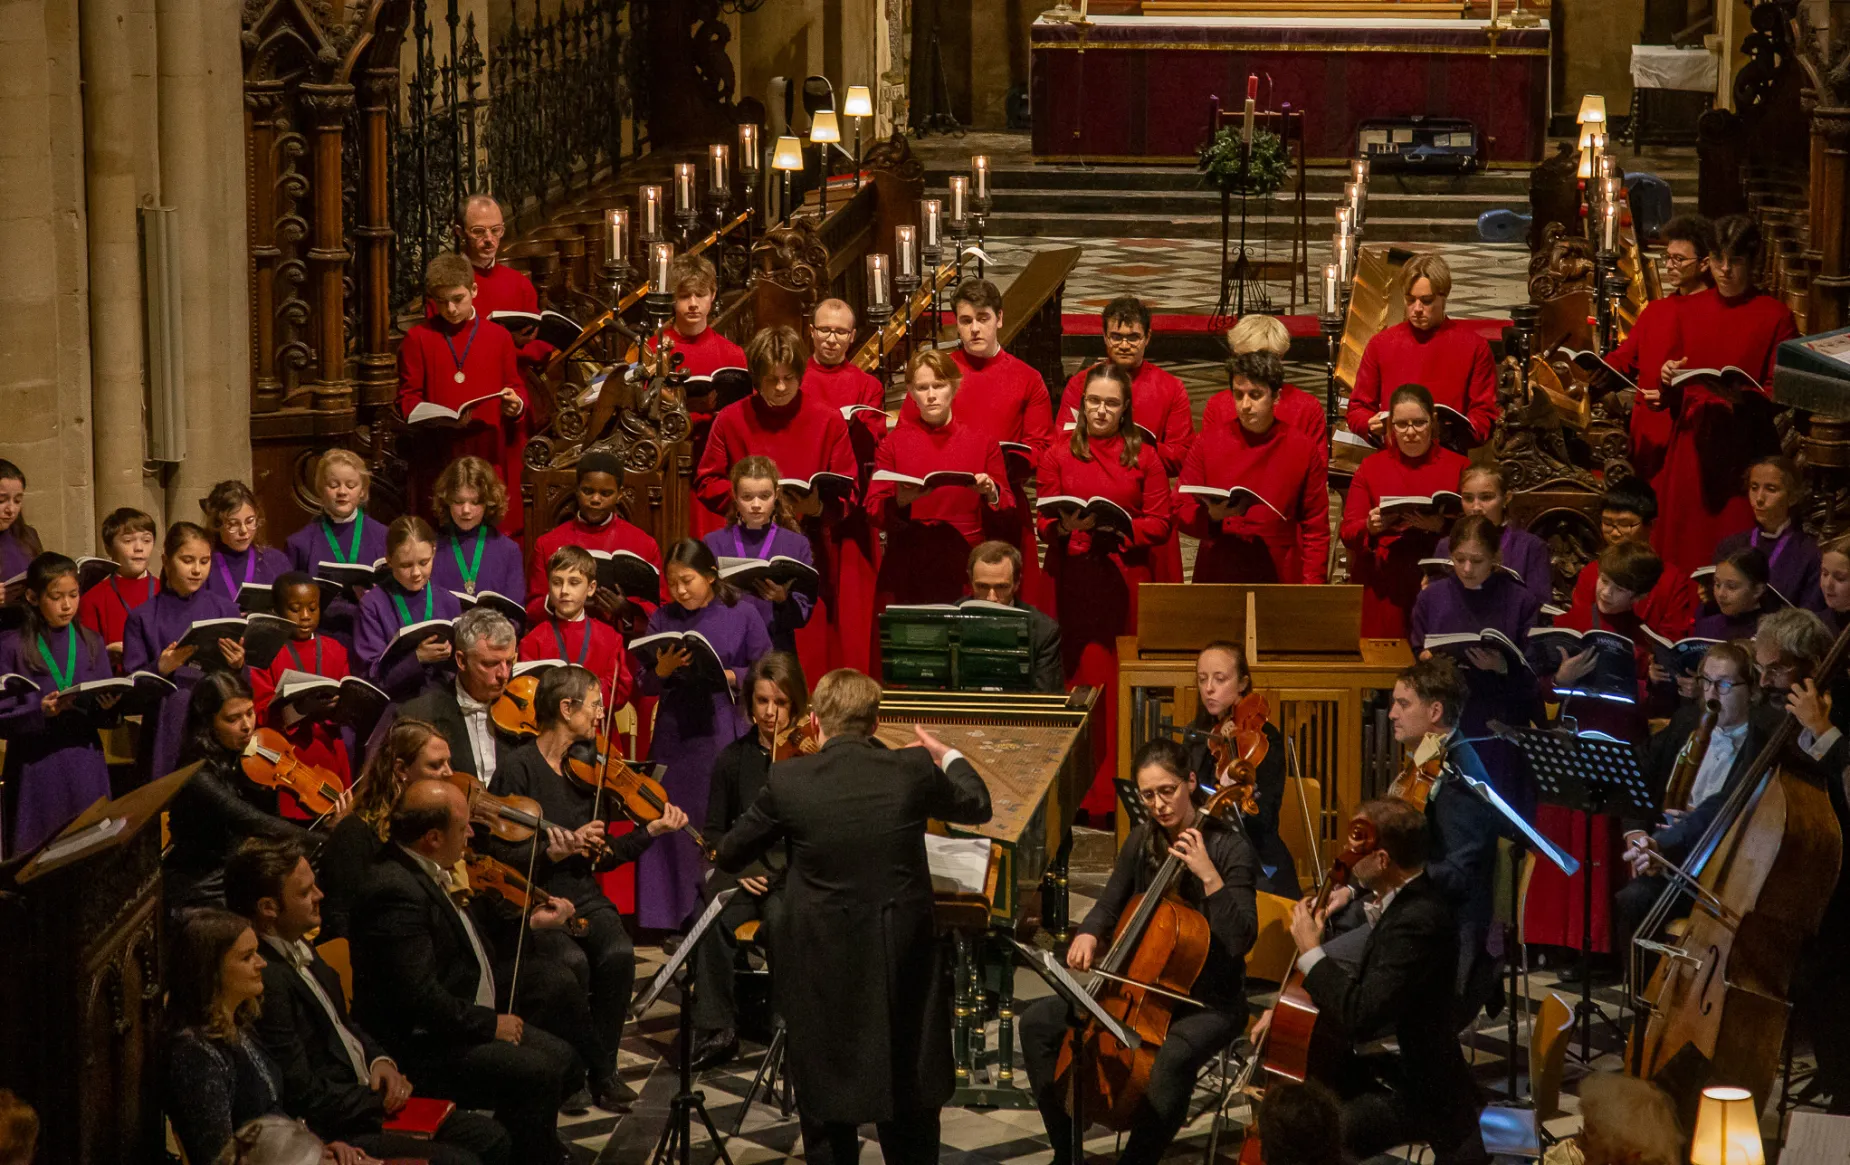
x: 1273, y: 951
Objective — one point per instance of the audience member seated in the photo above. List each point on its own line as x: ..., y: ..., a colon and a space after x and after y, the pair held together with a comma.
x: 1299, y: 1124
x: 1623, y: 1121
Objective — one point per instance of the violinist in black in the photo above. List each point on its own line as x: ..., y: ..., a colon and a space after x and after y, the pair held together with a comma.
x: 568, y: 708
x: 1222, y: 681
x: 1219, y: 869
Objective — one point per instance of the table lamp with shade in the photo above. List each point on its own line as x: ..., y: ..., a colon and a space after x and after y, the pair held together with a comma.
x: 1727, y: 1129
x: 787, y: 157
x: 824, y: 131
x: 1592, y: 110
x: 858, y: 104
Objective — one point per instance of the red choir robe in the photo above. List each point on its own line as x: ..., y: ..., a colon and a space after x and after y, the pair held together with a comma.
x: 1641, y: 356
x: 590, y: 643
x: 928, y: 542
x: 1670, y: 608
x: 104, y: 608
x: 805, y: 437
x: 1452, y: 361
x: 1284, y: 468
x: 1006, y: 400
x: 852, y: 558
x: 1096, y: 576
x: 1388, y: 565
x: 317, y: 742
x: 704, y: 355
x: 1159, y: 403
x: 429, y: 358
x: 613, y: 534
x: 1701, y: 491
x: 504, y: 288
x: 1296, y: 409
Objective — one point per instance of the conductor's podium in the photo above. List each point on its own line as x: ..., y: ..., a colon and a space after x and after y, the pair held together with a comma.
x: 1304, y: 647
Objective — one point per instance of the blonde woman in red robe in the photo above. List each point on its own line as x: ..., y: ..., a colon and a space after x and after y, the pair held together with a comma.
x: 1384, y: 550
x: 1097, y: 566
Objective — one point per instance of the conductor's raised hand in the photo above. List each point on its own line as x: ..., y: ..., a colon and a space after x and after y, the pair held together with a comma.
x: 931, y: 744
x: 1079, y: 955
x: 673, y: 817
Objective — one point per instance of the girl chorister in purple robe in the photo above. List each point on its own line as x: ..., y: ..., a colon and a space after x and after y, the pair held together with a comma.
x: 150, y: 640
x: 761, y: 527
x: 1774, y: 487
x: 473, y: 555
x: 1834, y: 584
x: 693, y: 722
x: 237, y: 557
x: 1485, y: 492
x: 54, y: 761
x: 19, y: 542
x: 1738, y: 597
x: 405, y: 598
x: 341, y: 533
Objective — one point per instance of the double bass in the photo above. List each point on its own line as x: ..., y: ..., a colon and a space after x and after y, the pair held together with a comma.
x: 1758, y: 881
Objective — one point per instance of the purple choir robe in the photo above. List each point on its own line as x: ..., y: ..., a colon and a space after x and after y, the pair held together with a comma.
x: 325, y: 541
x: 54, y: 766
x: 1792, y: 562
x: 1834, y: 621
x: 501, y: 570
x: 1712, y: 624
x: 158, y: 622
x: 781, y: 621
x: 231, y: 570
x: 692, y: 726
x: 14, y: 557
x: 380, y: 624
x: 1525, y: 554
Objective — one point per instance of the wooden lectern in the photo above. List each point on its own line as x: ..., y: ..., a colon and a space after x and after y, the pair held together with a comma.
x: 81, y: 935
x: 1304, y: 646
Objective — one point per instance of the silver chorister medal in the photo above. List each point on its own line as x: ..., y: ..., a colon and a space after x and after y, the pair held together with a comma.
x: 459, y: 376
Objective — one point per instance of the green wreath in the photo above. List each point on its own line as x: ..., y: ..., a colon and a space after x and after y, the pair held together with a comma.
x: 1220, y: 161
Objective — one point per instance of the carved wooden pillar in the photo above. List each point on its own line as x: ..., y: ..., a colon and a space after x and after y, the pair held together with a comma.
x: 1830, y: 188
x: 328, y: 106
x: 377, y: 369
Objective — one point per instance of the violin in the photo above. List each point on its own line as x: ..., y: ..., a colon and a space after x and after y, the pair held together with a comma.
x: 795, y: 740
x: 1420, y: 770
x: 596, y: 764
x: 489, y: 875
x: 513, y: 712
x: 1239, y: 746
x: 509, y: 818
x: 271, y: 761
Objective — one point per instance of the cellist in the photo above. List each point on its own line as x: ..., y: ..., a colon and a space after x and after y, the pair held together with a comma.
x: 1220, y: 869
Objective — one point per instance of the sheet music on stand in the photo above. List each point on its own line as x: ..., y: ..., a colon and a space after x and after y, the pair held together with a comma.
x: 1049, y: 968
x: 666, y: 975
x: 1567, y: 863
x: 1594, y: 774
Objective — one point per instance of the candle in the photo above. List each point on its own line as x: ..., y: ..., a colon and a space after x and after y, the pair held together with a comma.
x: 1252, y: 86
x: 749, y: 157
x: 719, y: 158
x: 1329, y: 289
x: 930, y: 223
x: 661, y: 255
x: 649, y: 198
x: 1246, y: 114
x: 905, y: 246
x: 683, y: 187
x: 1493, y: 13
x: 979, y: 166
x: 879, y: 281
x: 1344, y: 222
x: 1358, y: 172
x: 617, y: 235
x: 1339, y: 246
x: 960, y: 193
x: 1609, y: 228
x: 1352, y: 194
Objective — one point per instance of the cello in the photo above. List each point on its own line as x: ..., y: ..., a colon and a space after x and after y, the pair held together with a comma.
x: 1759, y: 880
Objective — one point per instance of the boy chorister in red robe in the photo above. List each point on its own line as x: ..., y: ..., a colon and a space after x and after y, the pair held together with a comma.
x: 128, y: 538
x: 849, y: 553
x: 1097, y: 568
x: 929, y: 532
x: 1703, y: 482
x: 456, y: 356
x: 318, y: 740
x: 569, y: 634
x: 805, y: 436
x: 703, y: 352
x: 1449, y: 358
x: 1287, y: 537
x: 1687, y: 239
x: 1005, y: 399
x: 1385, y: 550
x: 1628, y: 512
x: 1159, y: 405
x: 596, y: 526
x: 1296, y: 409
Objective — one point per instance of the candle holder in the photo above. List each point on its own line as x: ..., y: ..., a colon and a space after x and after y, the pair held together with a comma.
x: 659, y: 301
x: 1331, y: 325
x: 1608, y: 282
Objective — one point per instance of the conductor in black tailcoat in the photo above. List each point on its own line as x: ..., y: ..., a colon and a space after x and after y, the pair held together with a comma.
x: 858, y: 976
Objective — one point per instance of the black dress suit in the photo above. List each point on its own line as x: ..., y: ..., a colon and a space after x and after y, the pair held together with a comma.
x: 320, y: 1085
x: 856, y: 949
x: 1278, y: 873
x: 739, y: 774
x: 415, y: 975
x: 210, y: 815
x: 1462, y: 829
x: 437, y: 706
x: 341, y: 869
x: 1403, y: 981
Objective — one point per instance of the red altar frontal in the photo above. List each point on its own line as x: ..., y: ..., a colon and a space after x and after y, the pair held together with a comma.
x: 1136, y: 88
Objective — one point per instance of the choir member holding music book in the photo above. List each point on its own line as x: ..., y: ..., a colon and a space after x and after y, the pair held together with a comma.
x: 473, y: 557
x: 128, y: 536
x: 1254, y: 490
x: 1160, y: 403
x: 762, y: 552
x: 405, y: 623
x: 1483, y: 490
x: 1775, y: 491
x: 501, y: 289
x: 1446, y: 356
x: 703, y: 355
x: 340, y: 536
x: 1687, y: 240
x: 570, y: 635
x: 310, y: 724
x: 239, y: 560
x: 595, y: 525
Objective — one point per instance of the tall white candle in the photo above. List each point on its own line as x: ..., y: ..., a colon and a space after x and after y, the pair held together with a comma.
x: 749, y: 157
x: 683, y: 187
x: 719, y: 157
x: 650, y: 201
x: 879, y: 281
x: 905, y: 248
x: 661, y: 256
x: 979, y: 169
x: 931, y: 223
x: 1329, y: 289
x: 616, y: 235
x: 960, y: 198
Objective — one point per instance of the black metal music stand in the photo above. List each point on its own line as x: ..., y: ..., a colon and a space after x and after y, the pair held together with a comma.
x: 677, y: 1139
x: 1082, y: 1008
x: 1592, y: 775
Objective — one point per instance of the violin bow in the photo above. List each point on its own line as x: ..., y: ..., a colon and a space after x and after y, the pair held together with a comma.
x: 1310, y: 830
x: 610, y: 722
x: 526, y: 918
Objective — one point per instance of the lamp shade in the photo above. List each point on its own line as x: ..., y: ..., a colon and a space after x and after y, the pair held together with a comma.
x: 1592, y: 109
x: 823, y: 127
x: 1727, y: 1129
x: 859, y: 102
x: 788, y: 155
